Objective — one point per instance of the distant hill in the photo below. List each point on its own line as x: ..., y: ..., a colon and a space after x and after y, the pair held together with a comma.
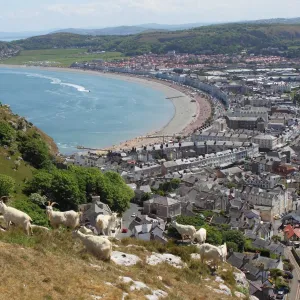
x: 214, y: 39
x: 128, y: 30
x: 120, y: 30
x: 10, y: 36
x: 276, y: 21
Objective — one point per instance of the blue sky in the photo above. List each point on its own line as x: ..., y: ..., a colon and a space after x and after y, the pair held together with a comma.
x: 29, y: 15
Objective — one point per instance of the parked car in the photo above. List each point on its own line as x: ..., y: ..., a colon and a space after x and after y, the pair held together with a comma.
x: 133, y: 215
x: 124, y: 230
x: 288, y: 274
x: 280, y: 294
x: 296, y: 244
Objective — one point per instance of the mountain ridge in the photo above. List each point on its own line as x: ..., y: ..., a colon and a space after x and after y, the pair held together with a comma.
x: 213, y: 39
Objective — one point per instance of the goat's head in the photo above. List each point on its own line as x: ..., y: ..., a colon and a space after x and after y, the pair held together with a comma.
x: 114, y: 216
x: 4, y: 199
x: 49, y: 207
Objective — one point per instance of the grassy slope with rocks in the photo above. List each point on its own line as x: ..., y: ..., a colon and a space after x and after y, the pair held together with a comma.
x: 10, y: 152
x: 7, y: 166
x: 53, y: 266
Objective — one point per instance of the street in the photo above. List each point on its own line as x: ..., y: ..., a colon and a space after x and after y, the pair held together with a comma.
x: 127, y: 219
x: 295, y: 286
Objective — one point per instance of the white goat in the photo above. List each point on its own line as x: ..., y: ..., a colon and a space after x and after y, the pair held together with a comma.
x: 86, y: 231
x: 184, y: 230
x: 15, y: 216
x: 223, y: 249
x: 200, y: 236
x: 210, y: 252
x: 99, y: 246
x: 105, y: 223
x: 68, y: 218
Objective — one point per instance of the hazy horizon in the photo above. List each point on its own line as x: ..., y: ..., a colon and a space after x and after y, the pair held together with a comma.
x: 32, y: 15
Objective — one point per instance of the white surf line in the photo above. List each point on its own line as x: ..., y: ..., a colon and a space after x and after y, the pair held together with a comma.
x: 53, y: 80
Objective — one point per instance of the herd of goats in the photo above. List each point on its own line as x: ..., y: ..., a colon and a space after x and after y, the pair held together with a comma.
x: 100, y: 246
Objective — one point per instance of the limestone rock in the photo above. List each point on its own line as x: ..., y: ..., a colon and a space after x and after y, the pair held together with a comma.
x: 124, y: 259
x: 239, y: 295
x: 157, y: 258
x: 226, y: 289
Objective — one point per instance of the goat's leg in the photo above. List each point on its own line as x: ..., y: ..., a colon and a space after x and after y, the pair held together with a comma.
x: 30, y: 229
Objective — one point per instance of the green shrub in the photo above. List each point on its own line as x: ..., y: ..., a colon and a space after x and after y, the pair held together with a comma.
x: 265, y: 252
x: 276, y: 273
x: 236, y: 237
x: 37, y: 214
x: 185, y: 220
x: 7, y: 185
x: 35, y: 151
x: 213, y: 235
x: 7, y: 133
x: 73, y: 186
x: 233, y: 246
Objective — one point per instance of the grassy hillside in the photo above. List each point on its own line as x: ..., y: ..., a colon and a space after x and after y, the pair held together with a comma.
x: 59, y: 57
x: 19, y: 140
x: 53, y: 266
x: 9, y: 153
x: 228, y: 38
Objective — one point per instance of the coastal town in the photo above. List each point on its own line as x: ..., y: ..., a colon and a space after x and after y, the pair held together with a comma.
x: 236, y: 163
x: 147, y: 160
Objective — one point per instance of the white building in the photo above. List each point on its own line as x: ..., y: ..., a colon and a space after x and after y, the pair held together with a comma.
x: 269, y: 203
x: 267, y: 141
x: 219, y: 159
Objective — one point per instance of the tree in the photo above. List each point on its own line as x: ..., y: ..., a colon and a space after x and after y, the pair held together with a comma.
x: 276, y: 238
x: 73, y: 186
x: 65, y: 190
x: 145, y: 197
x: 185, y: 220
x: 231, y: 185
x: 7, y: 185
x: 40, y: 183
x: 35, y: 151
x: 38, y: 199
x: 7, y: 133
x: 213, y: 235
x: 233, y: 246
x: 114, y: 191
x: 236, y: 237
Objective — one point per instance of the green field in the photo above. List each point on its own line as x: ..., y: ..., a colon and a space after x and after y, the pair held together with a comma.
x: 58, y: 57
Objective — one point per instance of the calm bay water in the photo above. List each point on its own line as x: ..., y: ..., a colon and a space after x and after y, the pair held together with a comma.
x: 61, y: 105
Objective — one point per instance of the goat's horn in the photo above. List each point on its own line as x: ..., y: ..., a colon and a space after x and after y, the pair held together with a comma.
x: 53, y: 203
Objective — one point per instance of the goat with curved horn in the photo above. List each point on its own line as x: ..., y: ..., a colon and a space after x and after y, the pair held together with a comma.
x: 69, y: 218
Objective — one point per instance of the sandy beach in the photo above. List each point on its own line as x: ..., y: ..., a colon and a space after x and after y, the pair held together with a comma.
x: 187, y: 117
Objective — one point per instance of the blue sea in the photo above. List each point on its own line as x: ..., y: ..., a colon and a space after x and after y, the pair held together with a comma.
x: 83, y: 109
